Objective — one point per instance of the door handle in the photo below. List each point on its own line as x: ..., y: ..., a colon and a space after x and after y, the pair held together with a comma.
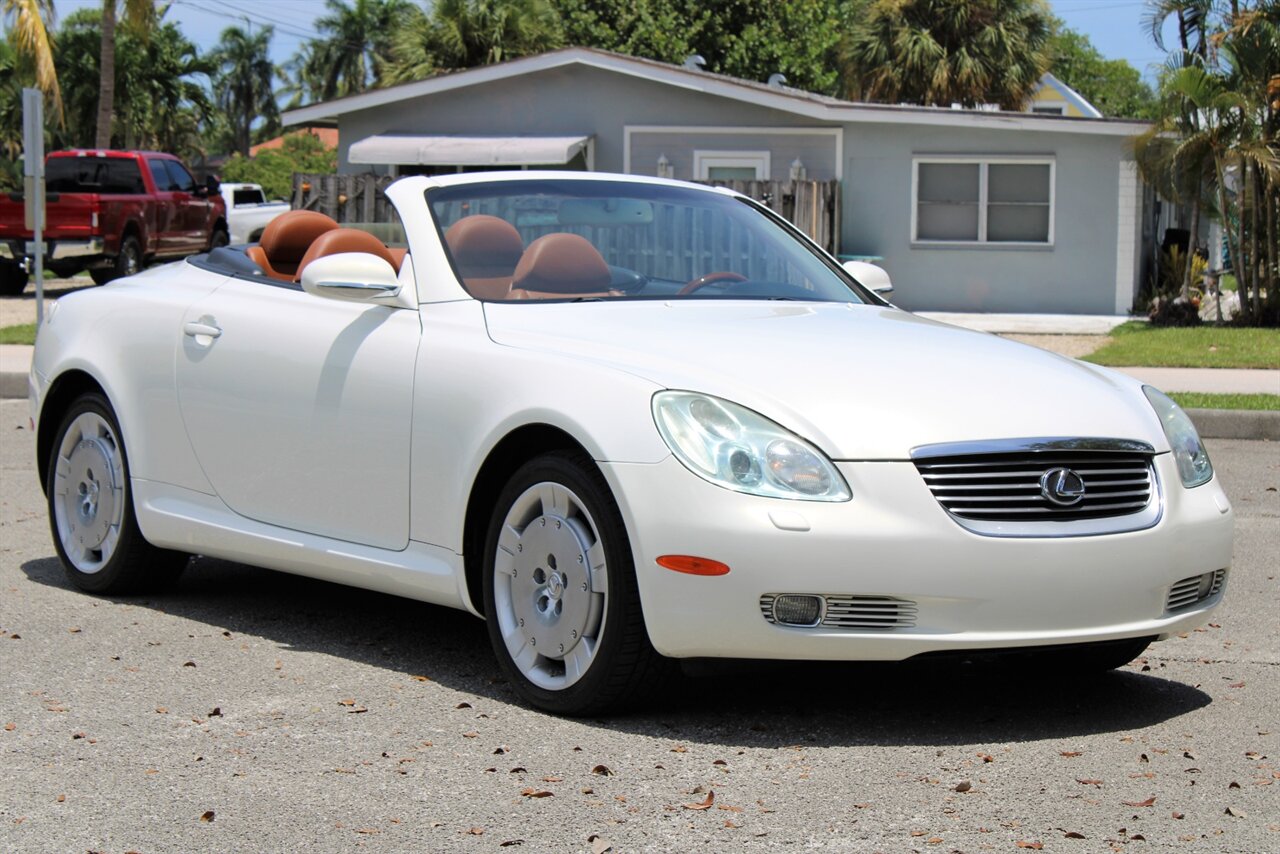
x: 196, y: 328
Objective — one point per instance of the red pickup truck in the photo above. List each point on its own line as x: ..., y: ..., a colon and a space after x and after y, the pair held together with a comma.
x: 111, y: 212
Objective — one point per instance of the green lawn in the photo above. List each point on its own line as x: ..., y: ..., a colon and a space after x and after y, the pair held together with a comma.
x: 1201, y: 400
x: 24, y: 334
x: 1141, y: 344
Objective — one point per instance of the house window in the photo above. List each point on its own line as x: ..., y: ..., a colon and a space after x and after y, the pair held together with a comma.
x: 1050, y: 110
x: 731, y: 165
x: 983, y: 200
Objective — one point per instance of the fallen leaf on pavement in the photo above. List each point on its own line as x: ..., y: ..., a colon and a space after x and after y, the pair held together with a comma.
x: 599, y: 845
x: 602, y: 770
x: 1089, y: 782
x: 207, y: 817
x: 1071, y: 834
x: 1070, y: 753
x: 535, y: 793
x: 963, y: 786
x: 1232, y: 811
x: 476, y: 831
x: 510, y: 842
x: 1149, y: 802
x: 703, y: 805
x: 1034, y: 846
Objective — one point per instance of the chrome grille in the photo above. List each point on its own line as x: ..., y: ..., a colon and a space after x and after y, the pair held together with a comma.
x: 1197, y: 588
x: 1007, y: 486
x: 843, y: 611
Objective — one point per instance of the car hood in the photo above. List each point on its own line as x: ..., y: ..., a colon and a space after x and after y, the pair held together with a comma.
x: 861, y: 382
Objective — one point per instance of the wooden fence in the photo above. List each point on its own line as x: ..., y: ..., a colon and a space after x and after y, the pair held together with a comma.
x: 812, y: 206
x: 346, y: 198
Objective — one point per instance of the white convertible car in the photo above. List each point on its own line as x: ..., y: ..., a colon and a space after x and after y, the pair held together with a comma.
x: 625, y: 421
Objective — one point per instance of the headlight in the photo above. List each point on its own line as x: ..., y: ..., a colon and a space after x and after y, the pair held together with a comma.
x: 1193, y: 460
x: 733, y: 447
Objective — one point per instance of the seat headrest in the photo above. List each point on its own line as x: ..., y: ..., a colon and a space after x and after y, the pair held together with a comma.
x: 562, y: 264
x: 484, y: 246
x: 286, y: 238
x: 339, y: 240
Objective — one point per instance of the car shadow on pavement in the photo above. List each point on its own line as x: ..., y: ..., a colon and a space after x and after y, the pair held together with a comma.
x: 740, y: 704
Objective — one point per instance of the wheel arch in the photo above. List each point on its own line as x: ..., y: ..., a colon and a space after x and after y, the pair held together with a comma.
x: 512, y: 451
x: 64, y: 390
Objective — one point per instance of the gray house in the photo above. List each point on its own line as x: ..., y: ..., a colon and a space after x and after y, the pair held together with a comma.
x: 970, y: 210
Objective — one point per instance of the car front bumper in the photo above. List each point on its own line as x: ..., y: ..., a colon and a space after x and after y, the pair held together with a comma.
x: 894, y: 540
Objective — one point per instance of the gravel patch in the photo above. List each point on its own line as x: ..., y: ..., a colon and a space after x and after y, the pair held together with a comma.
x: 1075, y: 346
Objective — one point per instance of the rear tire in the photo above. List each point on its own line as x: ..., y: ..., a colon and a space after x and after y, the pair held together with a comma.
x: 560, y: 593
x: 219, y: 239
x: 128, y: 262
x: 13, y: 280
x: 91, y: 513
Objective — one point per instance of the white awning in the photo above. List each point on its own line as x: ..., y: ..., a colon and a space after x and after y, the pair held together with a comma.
x: 467, y: 150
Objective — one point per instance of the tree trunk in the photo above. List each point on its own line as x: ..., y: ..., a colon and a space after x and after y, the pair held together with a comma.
x: 1256, y: 268
x: 107, y: 67
x: 1191, y: 241
x: 1233, y: 244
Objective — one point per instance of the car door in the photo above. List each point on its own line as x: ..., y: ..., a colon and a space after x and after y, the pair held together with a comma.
x: 192, y: 213
x: 166, y: 206
x: 299, y: 408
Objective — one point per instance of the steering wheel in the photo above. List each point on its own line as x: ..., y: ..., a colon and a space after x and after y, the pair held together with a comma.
x: 702, y: 281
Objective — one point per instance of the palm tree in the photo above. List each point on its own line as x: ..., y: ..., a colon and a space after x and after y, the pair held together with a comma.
x: 1193, y: 18
x: 352, y: 54
x: 28, y: 22
x: 139, y: 16
x: 944, y: 52
x: 244, y: 80
x: 467, y: 33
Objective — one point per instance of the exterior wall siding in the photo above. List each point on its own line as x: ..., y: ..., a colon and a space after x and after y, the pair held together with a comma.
x: 1076, y: 275
x: 819, y: 151
x: 557, y: 102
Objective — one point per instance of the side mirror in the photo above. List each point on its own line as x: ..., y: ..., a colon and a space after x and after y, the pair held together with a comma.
x: 350, y: 276
x: 212, y: 184
x: 870, y: 276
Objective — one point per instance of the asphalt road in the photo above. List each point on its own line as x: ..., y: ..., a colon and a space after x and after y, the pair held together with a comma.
x: 254, y: 711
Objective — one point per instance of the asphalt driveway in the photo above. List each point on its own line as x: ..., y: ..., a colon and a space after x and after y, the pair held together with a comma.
x: 248, y: 710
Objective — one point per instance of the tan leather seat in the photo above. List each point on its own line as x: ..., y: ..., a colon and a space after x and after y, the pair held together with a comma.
x: 485, y: 251
x: 285, y: 241
x: 341, y: 240
x: 557, y: 266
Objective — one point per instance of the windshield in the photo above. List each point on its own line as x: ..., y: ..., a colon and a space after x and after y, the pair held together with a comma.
x: 573, y: 239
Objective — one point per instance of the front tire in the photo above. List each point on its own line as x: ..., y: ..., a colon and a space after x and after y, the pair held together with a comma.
x: 560, y: 593
x: 91, y: 513
x: 219, y: 239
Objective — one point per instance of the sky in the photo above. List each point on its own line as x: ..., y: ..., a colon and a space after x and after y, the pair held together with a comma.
x: 1114, y: 26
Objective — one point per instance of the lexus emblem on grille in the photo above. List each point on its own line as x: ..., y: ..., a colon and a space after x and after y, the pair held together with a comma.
x: 1062, y: 487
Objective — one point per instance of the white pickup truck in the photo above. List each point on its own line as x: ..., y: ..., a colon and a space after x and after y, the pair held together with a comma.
x: 248, y: 211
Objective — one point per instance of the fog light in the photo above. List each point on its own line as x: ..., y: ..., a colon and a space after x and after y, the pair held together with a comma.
x: 796, y: 610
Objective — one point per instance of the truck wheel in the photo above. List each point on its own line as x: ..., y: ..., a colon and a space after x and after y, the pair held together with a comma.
x: 128, y: 262
x: 13, y: 280
x: 220, y: 238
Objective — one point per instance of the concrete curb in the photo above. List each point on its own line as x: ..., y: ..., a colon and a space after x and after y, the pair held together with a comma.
x: 12, y: 385
x: 1236, y: 423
